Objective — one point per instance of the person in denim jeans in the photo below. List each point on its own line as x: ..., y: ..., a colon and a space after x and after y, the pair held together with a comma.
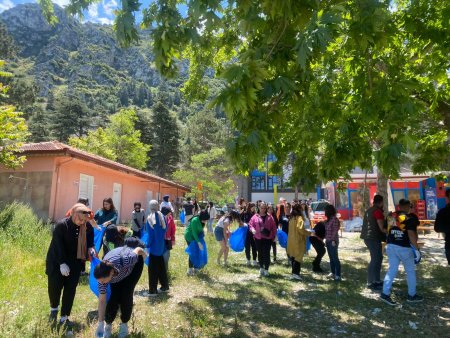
x: 402, y: 235
x: 332, y: 227
x: 373, y: 233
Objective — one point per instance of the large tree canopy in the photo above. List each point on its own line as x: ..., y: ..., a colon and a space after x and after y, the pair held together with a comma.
x: 333, y: 84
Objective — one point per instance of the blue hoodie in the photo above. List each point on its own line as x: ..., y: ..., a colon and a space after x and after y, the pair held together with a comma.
x: 156, y: 244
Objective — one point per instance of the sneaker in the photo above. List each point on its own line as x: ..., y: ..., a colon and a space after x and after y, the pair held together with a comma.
x: 255, y: 263
x: 67, y: 327
x: 108, y: 331
x: 123, y: 330
x: 53, y: 317
x: 190, y: 272
x: 337, y: 279
x: 414, y: 299
x: 376, y: 286
x: 330, y: 275
x: 266, y: 273
x: 163, y: 290
x: 249, y: 263
x: 387, y: 299
x: 261, y: 272
x: 295, y: 276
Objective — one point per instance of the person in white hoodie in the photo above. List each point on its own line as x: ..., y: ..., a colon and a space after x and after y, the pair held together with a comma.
x: 212, y: 216
x: 166, y: 204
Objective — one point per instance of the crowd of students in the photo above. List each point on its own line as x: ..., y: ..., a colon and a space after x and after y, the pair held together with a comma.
x: 152, y: 235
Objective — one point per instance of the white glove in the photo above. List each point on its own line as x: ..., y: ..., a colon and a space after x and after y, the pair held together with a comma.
x: 100, y: 329
x: 65, y: 270
x: 200, y: 246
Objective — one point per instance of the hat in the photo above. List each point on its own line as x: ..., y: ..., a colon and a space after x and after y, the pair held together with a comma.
x: 166, y: 198
x: 153, y: 205
x: 204, y: 215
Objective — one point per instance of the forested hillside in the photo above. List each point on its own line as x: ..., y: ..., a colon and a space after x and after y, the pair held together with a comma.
x: 72, y: 80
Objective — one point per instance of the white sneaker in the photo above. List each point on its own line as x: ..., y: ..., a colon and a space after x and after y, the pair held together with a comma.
x: 255, y: 263
x: 249, y: 263
x: 330, y: 275
x: 261, y: 272
x: 295, y: 276
x: 266, y: 273
x: 123, y: 330
x: 108, y: 331
x: 190, y: 272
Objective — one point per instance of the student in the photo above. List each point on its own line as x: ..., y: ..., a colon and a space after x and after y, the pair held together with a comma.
x: 401, y: 235
x: 72, y: 240
x: 212, y: 216
x: 296, y: 246
x: 250, y: 239
x: 442, y: 224
x: 121, y: 268
x: 263, y: 227
x: 194, y: 231
x: 170, y: 235
x: 107, y: 215
x: 115, y: 236
x: 316, y: 240
x: 271, y: 212
x: 373, y: 234
x: 332, y: 227
x: 157, y: 228
x: 188, y: 211
x: 222, y: 233
x: 138, y: 219
x: 166, y: 204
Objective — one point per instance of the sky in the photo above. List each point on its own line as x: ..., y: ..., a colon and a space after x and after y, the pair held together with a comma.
x: 101, y: 12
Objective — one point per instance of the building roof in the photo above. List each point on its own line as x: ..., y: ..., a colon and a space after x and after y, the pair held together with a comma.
x: 60, y: 149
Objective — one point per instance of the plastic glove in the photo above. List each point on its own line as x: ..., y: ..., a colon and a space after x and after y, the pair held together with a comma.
x: 100, y: 329
x: 200, y: 246
x: 417, y: 255
x: 92, y: 253
x: 65, y: 270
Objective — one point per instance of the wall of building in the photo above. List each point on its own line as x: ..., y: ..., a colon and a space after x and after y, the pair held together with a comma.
x: 289, y: 196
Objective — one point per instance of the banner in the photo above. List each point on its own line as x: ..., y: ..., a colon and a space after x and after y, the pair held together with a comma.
x: 431, y: 201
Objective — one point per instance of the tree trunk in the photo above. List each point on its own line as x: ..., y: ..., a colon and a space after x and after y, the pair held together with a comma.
x: 296, y: 192
x: 382, y: 188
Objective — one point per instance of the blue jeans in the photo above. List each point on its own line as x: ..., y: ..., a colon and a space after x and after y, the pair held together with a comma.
x: 397, y: 254
x: 376, y: 259
x: 335, y: 264
x: 210, y: 228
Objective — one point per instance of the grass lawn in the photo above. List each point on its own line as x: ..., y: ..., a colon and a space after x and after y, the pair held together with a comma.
x: 234, y: 302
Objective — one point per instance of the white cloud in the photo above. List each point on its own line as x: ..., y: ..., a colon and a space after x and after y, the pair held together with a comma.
x: 62, y: 3
x: 105, y: 21
x: 93, y: 11
x: 109, y: 6
x: 5, y: 5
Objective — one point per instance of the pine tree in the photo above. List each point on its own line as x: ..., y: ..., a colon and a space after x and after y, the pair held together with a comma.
x: 38, y: 125
x: 7, y: 48
x: 165, y: 135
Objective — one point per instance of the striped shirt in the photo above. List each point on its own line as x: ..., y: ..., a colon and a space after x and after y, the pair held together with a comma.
x: 123, y: 259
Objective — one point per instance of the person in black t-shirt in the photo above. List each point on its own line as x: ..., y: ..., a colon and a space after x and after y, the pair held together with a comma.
x: 442, y: 224
x: 188, y: 211
x: 316, y: 240
x: 401, y: 241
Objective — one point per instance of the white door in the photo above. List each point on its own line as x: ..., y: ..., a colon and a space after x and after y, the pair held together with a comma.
x: 86, y: 188
x: 117, y: 198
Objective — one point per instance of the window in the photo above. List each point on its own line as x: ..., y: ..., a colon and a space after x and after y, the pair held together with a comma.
x: 271, y: 180
x: 258, y: 183
x: 398, y: 195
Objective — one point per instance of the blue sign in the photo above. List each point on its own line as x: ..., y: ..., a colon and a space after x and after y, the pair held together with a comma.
x: 431, y: 201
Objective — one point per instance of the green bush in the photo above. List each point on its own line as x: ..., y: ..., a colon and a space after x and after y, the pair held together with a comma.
x: 19, y: 225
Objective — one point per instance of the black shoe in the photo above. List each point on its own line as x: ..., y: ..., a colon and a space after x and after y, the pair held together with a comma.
x: 318, y: 270
x: 53, y: 317
x: 387, y: 299
x: 376, y: 286
x: 163, y: 290
x: 414, y: 299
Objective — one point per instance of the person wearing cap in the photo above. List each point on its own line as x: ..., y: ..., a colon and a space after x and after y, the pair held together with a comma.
x: 156, y: 227
x: 72, y: 242
x: 194, y: 231
x: 166, y: 204
x: 401, y: 236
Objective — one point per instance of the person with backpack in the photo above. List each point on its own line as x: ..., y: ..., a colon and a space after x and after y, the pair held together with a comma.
x: 121, y: 268
x: 316, y: 240
x: 157, y: 228
x: 194, y: 231
x: 72, y: 242
x: 138, y: 219
x: 373, y: 233
x: 264, y: 228
x: 442, y: 224
x: 402, y: 247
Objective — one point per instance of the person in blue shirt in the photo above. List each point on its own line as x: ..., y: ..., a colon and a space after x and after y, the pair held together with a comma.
x: 156, y: 245
x: 107, y: 215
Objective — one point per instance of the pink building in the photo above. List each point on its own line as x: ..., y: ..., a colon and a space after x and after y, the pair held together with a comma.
x: 55, y: 175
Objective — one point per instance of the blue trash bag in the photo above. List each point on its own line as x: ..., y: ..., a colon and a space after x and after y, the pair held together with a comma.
x: 199, y: 258
x: 282, y: 238
x: 237, y: 239
x: 308, y: 244
x: 182, y: 217
x: 93, y: 284
x: 98, y: 238
x: 144, y: 239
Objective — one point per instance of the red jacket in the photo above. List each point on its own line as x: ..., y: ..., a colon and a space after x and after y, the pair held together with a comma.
x: 171, y: 229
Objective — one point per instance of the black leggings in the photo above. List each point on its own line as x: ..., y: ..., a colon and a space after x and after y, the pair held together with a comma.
x: 263, y: 246
x: 157, y: 272
x: 122, y: 295
x: 274, y: 249
x: 250, y: 244
x: 58, y: 284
